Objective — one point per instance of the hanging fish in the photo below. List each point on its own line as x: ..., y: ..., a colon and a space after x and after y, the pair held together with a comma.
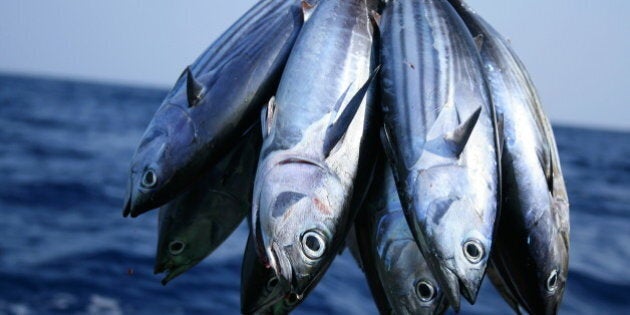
x: 392, y: 260
x: 260, y: 287
x: 531, y: 252
x: 315, y: 130
x: 440, y: 138
x: 501, y: 286
x: 195, y: 223
x: 212, y: 104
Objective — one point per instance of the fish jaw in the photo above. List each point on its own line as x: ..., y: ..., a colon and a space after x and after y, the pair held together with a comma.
x: 450, y: 285
x: 172, y: 267
x: 257, y: 293
x: 280, y: 264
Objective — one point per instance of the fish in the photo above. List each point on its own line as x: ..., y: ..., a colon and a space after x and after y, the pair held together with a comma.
x: 392, y: 261
x: 439, y: 135
x: 259, y: 286
x: 503, y: 289
x: 531, y: 252
x: 196, y: 222
x: 316, y: 130
x: 212, y: 104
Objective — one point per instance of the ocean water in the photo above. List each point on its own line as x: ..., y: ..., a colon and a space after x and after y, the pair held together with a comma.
x: 65, y: 248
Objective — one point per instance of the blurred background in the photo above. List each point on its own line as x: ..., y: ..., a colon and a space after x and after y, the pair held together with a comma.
x: 80, y: 80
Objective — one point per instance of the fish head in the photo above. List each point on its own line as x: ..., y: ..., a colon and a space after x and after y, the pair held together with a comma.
x: 552, y: 279
x: 546, y: 269
x: 405, y: 275
x: 186, y: 236
x: 160, y: 163
x: 298, y: 208
x: 453, y: 227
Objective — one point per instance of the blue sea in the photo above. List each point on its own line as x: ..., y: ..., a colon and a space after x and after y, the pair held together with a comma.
x: 65, y: 248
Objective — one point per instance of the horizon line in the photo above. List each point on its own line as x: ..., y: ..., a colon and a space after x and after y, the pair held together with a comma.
x: 165, y: 88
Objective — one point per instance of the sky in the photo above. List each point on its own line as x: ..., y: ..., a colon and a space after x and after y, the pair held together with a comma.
x: 577, y: 51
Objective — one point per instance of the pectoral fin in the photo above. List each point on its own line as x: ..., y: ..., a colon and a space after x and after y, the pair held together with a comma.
x: 449, y: 142
x: 338, y: 128
x: 458, y: 138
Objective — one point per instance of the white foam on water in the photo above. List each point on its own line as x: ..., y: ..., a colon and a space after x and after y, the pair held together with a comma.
x: 101, y: 305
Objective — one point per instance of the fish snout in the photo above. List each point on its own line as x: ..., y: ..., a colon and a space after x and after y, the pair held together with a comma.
x: 162, y: 266
x: 470, y: 290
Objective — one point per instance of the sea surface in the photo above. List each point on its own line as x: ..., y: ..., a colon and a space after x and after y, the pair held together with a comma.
x: 65, y: 149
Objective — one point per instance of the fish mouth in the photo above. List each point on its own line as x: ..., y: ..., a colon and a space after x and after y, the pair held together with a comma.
x: 127, y: 205
x: 280, y: 264
x: 450, y: 285
x: 161, y: 267
x: 470, y: 291
x: 131, y: 207
x: 171, y: 270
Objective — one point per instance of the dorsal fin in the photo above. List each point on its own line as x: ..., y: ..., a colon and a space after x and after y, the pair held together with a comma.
x: 194, y: 89
x: 267, y: 114
x: 338, y: 128
x: 458, y: 138
x: 307, y: 9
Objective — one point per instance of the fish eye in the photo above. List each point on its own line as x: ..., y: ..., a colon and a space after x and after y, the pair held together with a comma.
x: 313, y: 244
x: 425, y: 291
x: 272, y: 283
x: 552, y: 281
x: 292, y: 299
x: 473, y: 251
x: 176, y: 247
x: 149, y: 179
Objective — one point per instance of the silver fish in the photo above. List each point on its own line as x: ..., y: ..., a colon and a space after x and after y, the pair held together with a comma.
x: 315, y: 130
x: 195, y: 223
x: 392, y: 260
x: 531, y: 250
x: 440, y: 137
x: 212, y: 104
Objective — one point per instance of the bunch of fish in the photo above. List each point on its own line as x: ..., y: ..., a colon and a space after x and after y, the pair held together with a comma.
x: 406, y: 130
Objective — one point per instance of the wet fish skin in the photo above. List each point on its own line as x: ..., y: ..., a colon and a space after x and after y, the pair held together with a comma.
x: 392, y: 260
x: 302, y: 192
x: 440, y: 137
x: 260, y: 286
x: 213, y: 102
x: 195, y: 223
x: 503, y: 289
x: 532, y: 241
